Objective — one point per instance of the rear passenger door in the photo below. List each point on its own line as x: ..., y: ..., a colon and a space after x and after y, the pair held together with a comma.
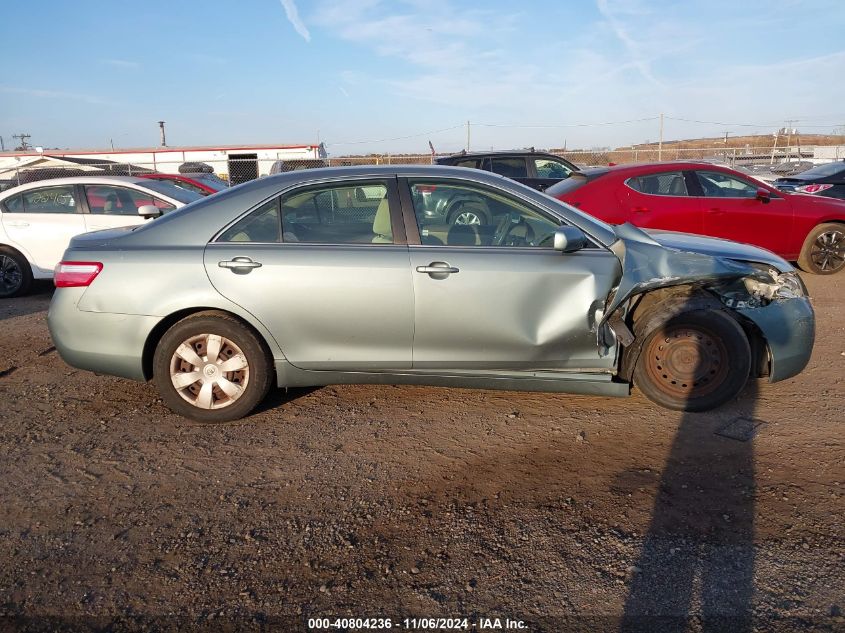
x: 40, y: 222
x: 325, y: 268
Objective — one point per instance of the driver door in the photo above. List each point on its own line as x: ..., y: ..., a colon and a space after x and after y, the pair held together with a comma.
x: 497, y: 295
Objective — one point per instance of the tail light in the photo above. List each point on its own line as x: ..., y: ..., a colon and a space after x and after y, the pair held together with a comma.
x: 813, y: 188
x: 425, y: 188
x: 76, y: 274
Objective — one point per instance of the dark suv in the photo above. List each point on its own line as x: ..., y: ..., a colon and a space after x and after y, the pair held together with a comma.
x: 535, y: 169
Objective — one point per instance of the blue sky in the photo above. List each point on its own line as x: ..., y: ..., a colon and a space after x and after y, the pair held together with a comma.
x: 364, y: 74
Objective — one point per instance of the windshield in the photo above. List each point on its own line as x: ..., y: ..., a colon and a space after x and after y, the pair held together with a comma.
x: 822, y: 171
x: 165, y: 188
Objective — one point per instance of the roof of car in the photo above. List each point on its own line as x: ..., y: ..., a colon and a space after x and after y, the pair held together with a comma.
x: 73, y: 180
x: 507, y: 152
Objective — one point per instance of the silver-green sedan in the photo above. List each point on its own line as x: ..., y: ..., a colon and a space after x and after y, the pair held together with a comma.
x: 340, y: 276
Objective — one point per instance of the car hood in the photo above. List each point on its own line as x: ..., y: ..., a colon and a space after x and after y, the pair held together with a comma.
x: 660, y: 259
x: 716, y: 247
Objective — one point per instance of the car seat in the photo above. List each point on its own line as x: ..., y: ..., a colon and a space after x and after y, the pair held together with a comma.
x: 111, y: 204
x: 381, y: 224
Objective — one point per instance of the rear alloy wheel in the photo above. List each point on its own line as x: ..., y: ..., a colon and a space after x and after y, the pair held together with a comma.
x: 211, y: 368
x: 823, y: 252
x: 695, y: 361
x: 15, y: 274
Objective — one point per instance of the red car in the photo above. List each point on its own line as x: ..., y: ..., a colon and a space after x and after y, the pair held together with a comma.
x: 203, y: 184
x: 712, y: 200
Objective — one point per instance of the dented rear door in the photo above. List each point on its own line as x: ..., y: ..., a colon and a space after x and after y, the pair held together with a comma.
x: 510, y: 308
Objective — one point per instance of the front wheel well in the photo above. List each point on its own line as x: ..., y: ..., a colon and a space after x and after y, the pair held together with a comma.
x: 169, y: 321
x: 650, y: 309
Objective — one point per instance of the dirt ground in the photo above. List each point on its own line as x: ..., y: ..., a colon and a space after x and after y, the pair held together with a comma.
x: 560, y: 512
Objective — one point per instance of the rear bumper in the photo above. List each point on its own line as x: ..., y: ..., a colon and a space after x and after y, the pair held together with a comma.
x: 789, y: 327
x: 102, y: 342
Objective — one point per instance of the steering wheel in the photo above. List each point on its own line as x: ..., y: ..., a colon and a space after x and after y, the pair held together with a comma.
x: 506, y: 226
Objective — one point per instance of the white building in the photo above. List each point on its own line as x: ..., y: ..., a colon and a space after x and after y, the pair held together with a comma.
x: 235, y: 162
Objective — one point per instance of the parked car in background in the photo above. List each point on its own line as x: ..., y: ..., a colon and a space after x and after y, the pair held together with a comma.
x: 823, y: 180
x: 38, y: 219
x: 535, y: 169
x: 717, y: 201
x: 202, y: 183
x: 327, y: 276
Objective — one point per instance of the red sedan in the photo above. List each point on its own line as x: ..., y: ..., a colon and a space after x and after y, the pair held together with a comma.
x: 713, y: 200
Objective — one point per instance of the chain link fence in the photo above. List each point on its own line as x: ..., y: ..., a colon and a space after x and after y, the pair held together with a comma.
x: 243, y: 169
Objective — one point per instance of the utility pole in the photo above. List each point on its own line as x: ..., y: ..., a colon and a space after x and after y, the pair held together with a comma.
x: 24, y: 145
x: 163, y: 139
x: 789, y: 132
x: 2, y: 145
x: 467, y: 135
x: 660, y: 142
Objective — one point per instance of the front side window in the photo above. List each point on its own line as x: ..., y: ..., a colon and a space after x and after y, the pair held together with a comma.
x: 338, y: 214
x: 509, y: 167
x: 717, y: 184
x: 46, y: 200
x: 112, y: 200
x: 547, y: 168
x: 668, y: 183
x: 454, y: 214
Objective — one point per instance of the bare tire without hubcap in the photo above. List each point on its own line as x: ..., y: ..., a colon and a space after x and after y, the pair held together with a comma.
x: 695, y: 361
x: 211, y: 368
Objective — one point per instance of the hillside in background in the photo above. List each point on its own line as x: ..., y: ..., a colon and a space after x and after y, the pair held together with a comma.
x: 754, y: 140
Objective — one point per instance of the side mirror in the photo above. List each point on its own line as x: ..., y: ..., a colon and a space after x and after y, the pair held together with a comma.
x: 569, y: 239
x: 148, y: 211
x: 763, y: 195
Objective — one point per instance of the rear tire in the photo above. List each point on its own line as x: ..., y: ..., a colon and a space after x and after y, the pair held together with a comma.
x: 210, y: 367
x: 15, y: 273
x: 695, y: 361
x: 823, y: 252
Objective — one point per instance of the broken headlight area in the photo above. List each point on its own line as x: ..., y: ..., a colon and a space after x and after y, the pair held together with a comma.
x: 761, y: 289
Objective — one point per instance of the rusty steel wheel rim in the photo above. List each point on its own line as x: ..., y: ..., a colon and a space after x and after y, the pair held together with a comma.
x: 209, y: 371
x: 686, y: 362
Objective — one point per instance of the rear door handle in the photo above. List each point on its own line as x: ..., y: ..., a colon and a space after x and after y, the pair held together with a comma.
x: 239, y: 265
x: 641, y: 209
x: 438, y: 270
x: 715, y: 211
x: 16, y: 224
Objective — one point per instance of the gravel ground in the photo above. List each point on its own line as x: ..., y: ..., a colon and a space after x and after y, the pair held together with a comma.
x: 562, y: 512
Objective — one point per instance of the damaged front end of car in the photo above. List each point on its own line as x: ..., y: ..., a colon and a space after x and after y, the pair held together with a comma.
x: 664, y: 274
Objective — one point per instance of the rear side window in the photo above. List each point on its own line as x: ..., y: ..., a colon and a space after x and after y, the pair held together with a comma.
x: 509, y: 167
x: 469, y: 162
x: 668, y: 183
x: 262, y: 225
x: 338, y: 214
x: 45, y: 200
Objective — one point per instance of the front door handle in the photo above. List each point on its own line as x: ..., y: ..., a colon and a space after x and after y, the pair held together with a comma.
x: 715, y: 211
x: 641, y: 209
x: 239, y: 265
x: 17, y: 224
x: 438, y: 270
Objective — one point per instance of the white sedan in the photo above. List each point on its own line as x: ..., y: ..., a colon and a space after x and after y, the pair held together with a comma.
x: 38, y: 219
